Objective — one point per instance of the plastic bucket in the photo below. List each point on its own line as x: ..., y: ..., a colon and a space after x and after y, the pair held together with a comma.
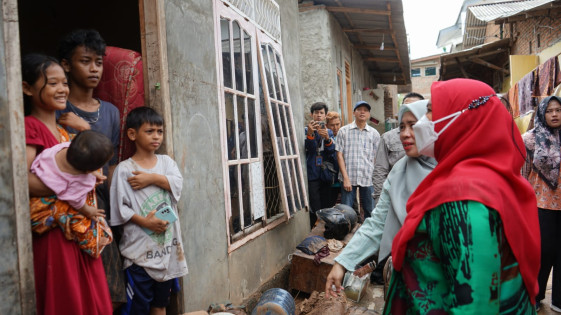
x: 275, y: 302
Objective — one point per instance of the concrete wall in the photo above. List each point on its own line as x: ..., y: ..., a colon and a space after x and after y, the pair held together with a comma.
x: 324, y: 50
x: 197, y: 150
x: 258, y: 261
x: 214, y: 275
x: 317, y: 60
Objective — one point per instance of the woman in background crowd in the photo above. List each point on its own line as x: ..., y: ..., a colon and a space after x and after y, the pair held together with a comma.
x: 542, y: 171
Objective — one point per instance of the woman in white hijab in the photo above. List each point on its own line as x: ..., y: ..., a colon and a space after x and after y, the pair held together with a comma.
x: 376, y: 234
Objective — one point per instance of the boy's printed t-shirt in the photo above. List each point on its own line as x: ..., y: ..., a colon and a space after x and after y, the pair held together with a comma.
x: 161, y: 255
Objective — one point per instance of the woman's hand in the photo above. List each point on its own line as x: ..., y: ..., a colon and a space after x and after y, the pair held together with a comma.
x: 71, y: 120
x: 333, y: 284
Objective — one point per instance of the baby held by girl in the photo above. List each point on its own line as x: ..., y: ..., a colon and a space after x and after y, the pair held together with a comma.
x: 71, y: 170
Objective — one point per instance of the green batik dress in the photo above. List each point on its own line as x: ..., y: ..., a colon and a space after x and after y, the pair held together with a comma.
x: 459, y: 262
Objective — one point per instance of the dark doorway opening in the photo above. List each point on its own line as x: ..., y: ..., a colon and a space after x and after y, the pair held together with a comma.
x: 43, y: 23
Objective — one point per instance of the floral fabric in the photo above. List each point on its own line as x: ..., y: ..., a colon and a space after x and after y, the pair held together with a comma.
x: 542, y: 146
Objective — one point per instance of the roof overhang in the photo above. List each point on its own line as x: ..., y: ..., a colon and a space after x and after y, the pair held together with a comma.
x: 367, y: 24
x: 481, y: 63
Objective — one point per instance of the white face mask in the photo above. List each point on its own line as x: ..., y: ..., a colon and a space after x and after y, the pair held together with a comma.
x: 425, y: 136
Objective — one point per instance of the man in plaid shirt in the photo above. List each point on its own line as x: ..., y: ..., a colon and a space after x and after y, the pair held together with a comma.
x: 356, y: 147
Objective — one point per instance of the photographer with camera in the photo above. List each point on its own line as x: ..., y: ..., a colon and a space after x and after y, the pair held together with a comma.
x: 320, y: 158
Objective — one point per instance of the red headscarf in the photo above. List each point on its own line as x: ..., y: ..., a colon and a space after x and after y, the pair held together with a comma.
x: 479, y: 158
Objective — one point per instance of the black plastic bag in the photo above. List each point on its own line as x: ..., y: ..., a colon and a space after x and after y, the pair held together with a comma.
x: 339, y: 221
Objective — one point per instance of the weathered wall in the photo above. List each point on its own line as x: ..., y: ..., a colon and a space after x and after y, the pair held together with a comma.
x: 317, y: 60
x: 324, y: 50
x: 527, y: 32
x: 214, y: 275
x: 196, y: 138
x: 258, y: 261
x: 16, y: 265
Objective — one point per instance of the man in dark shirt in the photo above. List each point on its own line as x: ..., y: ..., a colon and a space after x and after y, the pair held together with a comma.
x: 320, y: 148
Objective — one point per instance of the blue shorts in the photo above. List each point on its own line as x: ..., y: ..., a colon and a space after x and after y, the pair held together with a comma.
x: 143, y: 292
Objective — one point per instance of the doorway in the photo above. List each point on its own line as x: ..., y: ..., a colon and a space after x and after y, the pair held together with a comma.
x: 43, y: 23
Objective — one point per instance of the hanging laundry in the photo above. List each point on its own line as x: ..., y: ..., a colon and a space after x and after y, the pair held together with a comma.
x: 512, y: 97
x: 525, y: 91
x: 548, y: 77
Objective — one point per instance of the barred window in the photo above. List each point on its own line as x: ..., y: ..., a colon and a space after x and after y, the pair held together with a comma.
x: 263, y: 175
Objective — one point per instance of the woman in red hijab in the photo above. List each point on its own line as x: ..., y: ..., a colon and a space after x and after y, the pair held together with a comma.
x: 470, y: 242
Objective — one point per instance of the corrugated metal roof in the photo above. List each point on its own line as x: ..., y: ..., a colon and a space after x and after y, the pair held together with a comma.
x: 478, y: 15
x: 491, y: 12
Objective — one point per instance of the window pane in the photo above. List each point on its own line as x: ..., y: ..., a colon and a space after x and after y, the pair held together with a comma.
x: 281, y: 78
x: 290, y: 131
x: 248, y: 65
x: 235, y: 223
x: 274, y: 71
x: 276, y: 123
x: 295, y: 190
x: 286, y: 139
x: 258, y: 205
x: 246, y: 195
x: 231, y: 126
x: 430, y: 71
x: 226, y: 61
x: 299, y: 183
x: 416, y: 72
x: 238, y: 67
x: 287, y: 182
x: 267, y: 70
x: 242, y: 127
x: 252, y: 132
x: 272, y: 188
x: 266, y: 142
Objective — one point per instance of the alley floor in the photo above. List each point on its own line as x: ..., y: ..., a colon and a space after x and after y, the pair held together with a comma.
x: 373, y: 301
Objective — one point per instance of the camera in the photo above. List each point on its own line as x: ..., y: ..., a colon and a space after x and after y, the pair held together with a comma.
x: 321, y: 124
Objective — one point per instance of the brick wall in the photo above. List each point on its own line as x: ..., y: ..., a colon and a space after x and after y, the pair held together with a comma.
x: 422, y: 84
x: 527, y: 31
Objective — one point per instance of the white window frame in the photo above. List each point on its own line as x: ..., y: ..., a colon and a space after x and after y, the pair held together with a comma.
x: 224, y: 10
